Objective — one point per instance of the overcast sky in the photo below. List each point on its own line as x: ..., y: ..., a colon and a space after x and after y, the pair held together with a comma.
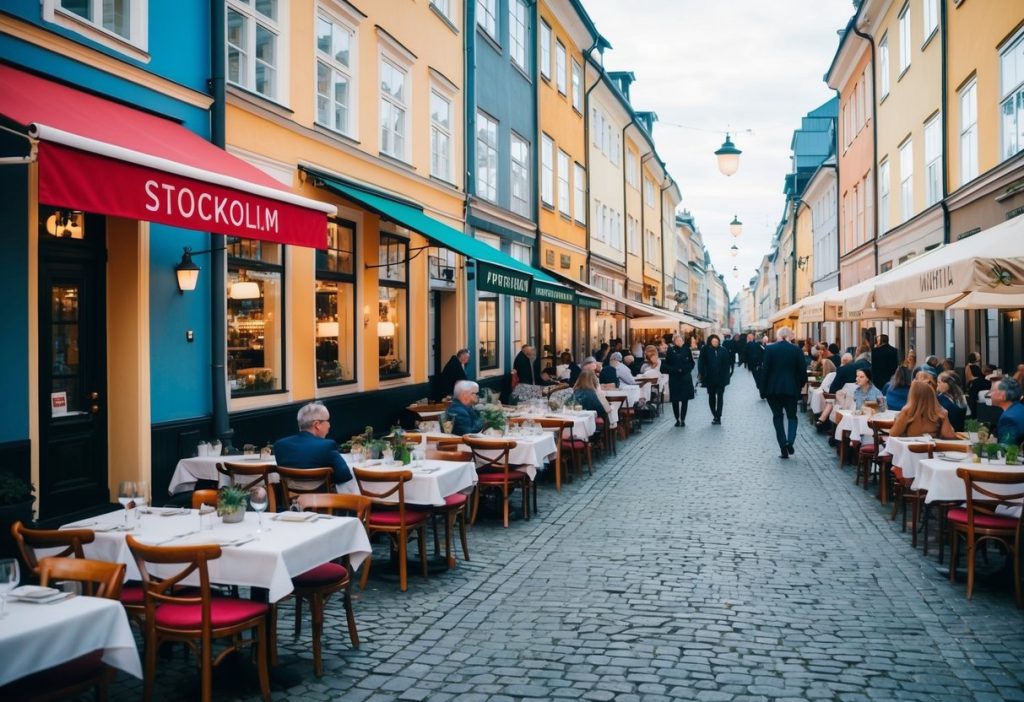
x: 748, y: 64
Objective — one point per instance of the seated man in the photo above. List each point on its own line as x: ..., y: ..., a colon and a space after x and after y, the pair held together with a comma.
x: 1006, y: 395
x: 464, y: 416
x: 310, y: 448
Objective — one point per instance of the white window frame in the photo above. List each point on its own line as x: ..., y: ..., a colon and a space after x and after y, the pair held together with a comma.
x: 564, y: 194
x: 547, y: 178
x: 884, y: 67
x: 1011, y: 95
x: 969, y: 131
x: 389, y: 102
x: 350, y: 73
x: 883, y: 197
x: 517, y: 33
x: 441, y: 157
x: 906, y: 150
x: 279, y: 84
x: 905, y: 41
x: 519, y: 174
x: 577, y: 86
x: 631, y: 238
x: 561, y: 58
x: 632, y: 169
x: 648, y: 192
x: 487, y: 17
x: 579, y: 185
x: 545, y: 49
x: 486, y: 189
x: 933, y: 160
x: 136, y: 44
x: 445, y: 8
x: 930, y: 19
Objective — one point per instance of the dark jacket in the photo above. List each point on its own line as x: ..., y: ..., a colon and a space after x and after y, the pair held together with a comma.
x: 847, y: 374
x: 754, y: 354
x: 609, y: 375
x: 714, y: 367
x: 574, y: 372
x: 465, y: 420
x: 1010, y: 428
x: 305, y: 450
x: 957, y: 414
x: 589, y: 400
x: 453, y: 372
x: 884, y: 361
x: 678, y: 367
x: 524, y: 369
x: 783, y: 371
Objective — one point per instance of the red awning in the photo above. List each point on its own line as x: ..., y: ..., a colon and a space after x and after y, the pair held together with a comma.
x: 100, y: 156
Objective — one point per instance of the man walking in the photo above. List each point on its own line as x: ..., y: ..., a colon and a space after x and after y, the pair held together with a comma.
x: 783, y: 374
x: 714, y: 371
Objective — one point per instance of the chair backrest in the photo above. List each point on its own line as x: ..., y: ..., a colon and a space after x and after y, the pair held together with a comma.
x: 304, y: 481
x: 204, y: 497
x: 31, y: 540
x: 161, y: 590
x: 880, y: 429
x: 560, y: 425
x: 454, y: 455
x: 393, y: 482
x: 428, y: 408
x: 99, y: 578
x: 249, y: 475
x: 922, y: 448
x: 498, y: 450
x: 983, y: 499
x: 329, y: 503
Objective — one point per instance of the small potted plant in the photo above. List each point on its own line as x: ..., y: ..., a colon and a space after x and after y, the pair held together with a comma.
x: 494, y: 419
x: 992, y: 452
x: 1012, y: 452
x: 971, y: 426
x: 231, y: 504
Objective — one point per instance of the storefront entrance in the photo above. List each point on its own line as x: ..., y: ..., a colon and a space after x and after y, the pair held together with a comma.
x: 72, y: 363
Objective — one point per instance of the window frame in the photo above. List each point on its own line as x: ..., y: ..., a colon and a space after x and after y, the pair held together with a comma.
x: 387, y: 102
x: 1011, y: 95
x: 350, y: 73
x: 906, y: 151
x: 518, y: 41
x: 346, y: 278
x: 564, y: 184
x: 278, y: 27
x: 884, y: 192
x: 523, y: 168
x: 488, y: 299
x: 547, y: 161
x: 561, y: 66
x: 491, y: 149
x: 884, y: 65
x: 487, y: 17
x: 579, y: 185
x: 933, y: 165
x: 906, y: 40
x: 135, y: 44
x: 970, y: 131
x: 929, y: 20
x: 386, y: 282
x: 544, y: 39
x: 577, y: 86
x: 438, y: 130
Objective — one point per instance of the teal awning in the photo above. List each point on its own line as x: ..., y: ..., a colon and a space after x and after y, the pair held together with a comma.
x: 496, y: 271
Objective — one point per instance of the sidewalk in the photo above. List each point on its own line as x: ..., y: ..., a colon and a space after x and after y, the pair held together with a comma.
x: 695, y: 565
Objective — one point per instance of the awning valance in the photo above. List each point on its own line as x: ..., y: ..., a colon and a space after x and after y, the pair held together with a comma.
x: 100, y: 156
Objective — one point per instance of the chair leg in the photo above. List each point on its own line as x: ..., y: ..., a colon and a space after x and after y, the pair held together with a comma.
x: 316, y: 610
x: 449, y: 526
x: 954, y: 557
x: 423, y: 548
x: 927, y: 517
x: 366, y: 573
x: 915, y: 512
x: 462, y: 533
x: 150, y: 670
x: 476, y: 504
x: 350, y: 616
x: 971, y: 553
x: 504, y: 505
x: 403, y: 563
x: 206, y: 668
x: 525, y: 489
x: 262, y: 670
x: 298, y: 617
x: 272, y: 634
x: 433, y: 525
x: 590, y: 461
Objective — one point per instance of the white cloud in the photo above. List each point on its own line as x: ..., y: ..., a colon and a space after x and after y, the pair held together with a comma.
x: 744, y: 64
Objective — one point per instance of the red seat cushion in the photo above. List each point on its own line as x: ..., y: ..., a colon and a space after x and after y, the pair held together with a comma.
x: 321, y: 575
x: 599, y: 421
x: 868, y: 449
x: 393, y: 517
x: 224, y: 611
x: 132, y: 594
x: 456, y: 500
x: 983, y: 521
x: 574, y: 443
x: 491, y: 478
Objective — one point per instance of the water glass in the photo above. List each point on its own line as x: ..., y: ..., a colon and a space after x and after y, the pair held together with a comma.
x: 9, y: 577
x: 388, y: 456
x: 258, y: 502
x: 126, y: 495
x: 249, y: 449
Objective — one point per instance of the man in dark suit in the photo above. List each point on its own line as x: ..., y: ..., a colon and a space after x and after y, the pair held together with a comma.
x: 783, y: 375
x: 847, y: 373
x: 462, y: 412
x: 1006, y: 394
x: 311, y: 448
x: 454, y: 371
x: 522, y: 364
x: 884, y: 360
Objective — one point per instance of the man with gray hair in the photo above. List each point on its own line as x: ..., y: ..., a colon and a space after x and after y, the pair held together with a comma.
x: 617, y: 372
x: 462, y: 412
x: 311, y: 448
x: 1006, y: 394
x: 783, y: 375
x: 454, y: 371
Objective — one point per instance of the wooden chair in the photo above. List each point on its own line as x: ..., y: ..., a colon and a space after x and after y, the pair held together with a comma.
x: 620, y: 403
x: 395, y: 519
x: 31, y: 540
x: 204, y: 498
x: 195, y: 618
x: 979, y: 522
x: 296, y: 482
x: 869, y: 458
x: 249, y: 475
x: 73, y: 678
x: 921, y: 509
x: 318, y: 584
x: 495, y: 473
x: 455, y: 510
x: 558, y: 427
x: 880, y: 428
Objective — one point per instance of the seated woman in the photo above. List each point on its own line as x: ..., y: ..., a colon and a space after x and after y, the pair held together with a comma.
x: 590, y: 396
x: 926, y: 377
x: 897, y: 388
x: 922, y: 414
x: 865, y: 390
x: 952, y: 399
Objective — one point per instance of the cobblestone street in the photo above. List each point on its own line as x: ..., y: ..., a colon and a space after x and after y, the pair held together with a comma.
x: 695, y: 565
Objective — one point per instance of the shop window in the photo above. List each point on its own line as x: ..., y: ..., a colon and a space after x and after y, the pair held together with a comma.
x: 392, y: 307
x: 487, y: 330
x: 255, y: 305
x: 335, y: 307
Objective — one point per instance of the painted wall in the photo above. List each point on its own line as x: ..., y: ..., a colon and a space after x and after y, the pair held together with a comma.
x: 14, y: 321
x: 634, y: 207
x: 606, y: 176
x: 856, y: 140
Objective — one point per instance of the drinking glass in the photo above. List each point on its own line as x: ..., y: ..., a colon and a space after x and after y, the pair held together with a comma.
x: 9, y: 577
x: 125, y: 495
x: 249, y: 450
x: 258, y: 502
x: 388, y: 455
x: 141, y: 498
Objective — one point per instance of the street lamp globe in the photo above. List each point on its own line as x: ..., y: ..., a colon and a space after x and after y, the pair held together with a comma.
x: 734, y: 250
x: 728, y: 157
x: 735, y: 272
x: 735, y: 226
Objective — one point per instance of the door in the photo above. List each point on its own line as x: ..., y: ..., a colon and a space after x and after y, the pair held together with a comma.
x: 72, y: 373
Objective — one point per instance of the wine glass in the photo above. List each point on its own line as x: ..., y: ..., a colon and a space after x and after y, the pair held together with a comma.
x: 9, y: 577
x: 258, y: 502
x: 141, y: 494
x: 125, y: 495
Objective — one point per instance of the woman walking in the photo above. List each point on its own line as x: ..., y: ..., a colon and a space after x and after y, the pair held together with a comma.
x: 714, y: 372
x: 679, y: 367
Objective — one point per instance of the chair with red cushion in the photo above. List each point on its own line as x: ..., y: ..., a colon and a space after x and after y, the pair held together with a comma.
x: 454, y: 511
x: 495, y: 473
x: 558, y: 427
x: 318, y: 584
x: 393, y: 517
x: 986, y: 491
x: 194, y: 616
x: 881, y: 462
x: 99, y: 579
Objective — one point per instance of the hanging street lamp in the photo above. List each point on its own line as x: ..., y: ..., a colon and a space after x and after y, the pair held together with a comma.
x: 734, y: 250
x: 728, y: 157
x: 735, y: 226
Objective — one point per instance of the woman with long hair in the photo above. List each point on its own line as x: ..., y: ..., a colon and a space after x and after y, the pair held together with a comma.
x: 588, y: 393
x: 922, y: 414
x: 952, y: 399
x: 897, y: 388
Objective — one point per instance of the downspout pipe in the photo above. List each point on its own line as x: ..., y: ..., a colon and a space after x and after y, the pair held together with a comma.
x: 661, y: 218
x: 874, y: 136
x: 793, y: 257
x: 586, y: 131
x: 944, y: 121
x: 218, y: 257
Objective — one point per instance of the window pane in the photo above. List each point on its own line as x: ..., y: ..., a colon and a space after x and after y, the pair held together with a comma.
x: 340, y: 254
x: 254, y: 330
x: 391, y: 331
x: 391, y: 256
x: 487, y: 331
x: 323, y: 35
x: 117, y: 17
x: 545, y: 50
x: 236, y: 47
x: 267, y: 8
x: 335, y: 332
x: 560, y: 67
x: 266, y: 60
x: 342, y: 44
x: 79, y: 7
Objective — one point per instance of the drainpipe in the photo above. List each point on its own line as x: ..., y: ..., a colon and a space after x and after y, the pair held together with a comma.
x: 586, y: 134
x: 874, y: 137
x: 468, y: 174
x: 944, y: 121
x: 643, y: 229
x: 218, y: 258
x: 661, y: 217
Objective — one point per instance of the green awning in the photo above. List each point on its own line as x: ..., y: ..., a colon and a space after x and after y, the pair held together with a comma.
x: 496, y: 271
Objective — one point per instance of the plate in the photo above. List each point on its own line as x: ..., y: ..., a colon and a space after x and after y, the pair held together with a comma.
x: 294, y: 516
x: 34, y: 592
x: 953, y: 456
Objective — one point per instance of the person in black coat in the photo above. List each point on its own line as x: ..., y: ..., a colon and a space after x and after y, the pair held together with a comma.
x: 884, y: 360
x: 522, y: 364
x: 679, y: 368
x: 714, y: 371
x: 754, y: 354
x: 847, y: 373
x: 783, y: 375
x: 454, y: 371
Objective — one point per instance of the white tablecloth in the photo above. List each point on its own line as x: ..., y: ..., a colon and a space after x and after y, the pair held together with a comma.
x: 634, y: 393
x: 857, y: 424
x: 584, y: 422
x: 270, y: 562
x: 191, y: 470
x: 939, y: 478
x: 816, y: 400
x: 530, y: 451
x: 907, y: 460
x: 34, y: 637
x: 432, y: 481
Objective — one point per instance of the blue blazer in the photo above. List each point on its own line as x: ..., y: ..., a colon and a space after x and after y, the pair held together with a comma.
x: 304, y: 450
x: 465, y: 420
x: 1011, y: 424
x: 783, y: 371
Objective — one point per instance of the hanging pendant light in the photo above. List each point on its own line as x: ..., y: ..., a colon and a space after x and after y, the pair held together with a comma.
x: 735, y: 226
x: 728, y: 157
x: 734, y: 250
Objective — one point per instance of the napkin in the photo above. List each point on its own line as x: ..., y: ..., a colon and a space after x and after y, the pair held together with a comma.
x: 38, y: 594
x: 295, y: 516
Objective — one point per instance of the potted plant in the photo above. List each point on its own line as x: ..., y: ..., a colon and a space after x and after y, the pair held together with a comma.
x: 231, y: 503
x: 15, y: 506
x: 494, y: 419
x: 972, y: 426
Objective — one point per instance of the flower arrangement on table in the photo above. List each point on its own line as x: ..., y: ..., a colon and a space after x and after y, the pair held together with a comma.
x: 399, y: 446
x: 231, y: 501
x: 365, y: 444
x: 494, y: 417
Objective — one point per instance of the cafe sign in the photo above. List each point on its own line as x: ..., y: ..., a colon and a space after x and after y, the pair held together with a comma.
x: 498, y: 279
x: 548, y: 292
x: 587, y: 302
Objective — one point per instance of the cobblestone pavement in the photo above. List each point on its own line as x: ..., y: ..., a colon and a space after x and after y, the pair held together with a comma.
x: 694, y: 565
